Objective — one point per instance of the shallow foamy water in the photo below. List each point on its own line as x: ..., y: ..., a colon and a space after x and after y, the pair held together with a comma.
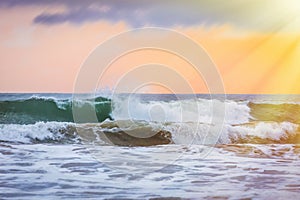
x: 51, y: 171
x: 150, y: 146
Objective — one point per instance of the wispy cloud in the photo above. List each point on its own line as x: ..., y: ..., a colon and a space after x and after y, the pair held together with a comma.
x: 252, y: 14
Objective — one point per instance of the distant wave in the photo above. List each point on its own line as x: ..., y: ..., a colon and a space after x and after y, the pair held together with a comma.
x: 35, y: 109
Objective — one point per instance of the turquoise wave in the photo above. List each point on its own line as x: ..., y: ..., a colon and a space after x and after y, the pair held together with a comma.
x: 36, y: 109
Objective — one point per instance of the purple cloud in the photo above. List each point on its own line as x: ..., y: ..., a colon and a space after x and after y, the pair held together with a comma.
x: 136, y: 13
x: 255, y: 14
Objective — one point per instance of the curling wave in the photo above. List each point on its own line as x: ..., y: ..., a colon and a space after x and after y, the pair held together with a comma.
x: 142, y: 133
x: 144, y: 122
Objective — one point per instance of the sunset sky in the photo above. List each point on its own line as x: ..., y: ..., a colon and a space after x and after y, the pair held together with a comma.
x: 255, y: 44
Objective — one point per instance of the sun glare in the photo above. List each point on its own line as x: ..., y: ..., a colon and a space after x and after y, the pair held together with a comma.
x: 291, y: 6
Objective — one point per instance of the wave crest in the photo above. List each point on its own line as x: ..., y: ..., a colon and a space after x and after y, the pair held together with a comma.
x: 142, y: 133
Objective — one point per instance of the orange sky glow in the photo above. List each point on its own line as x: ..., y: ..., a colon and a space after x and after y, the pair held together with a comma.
x: 41, y: 58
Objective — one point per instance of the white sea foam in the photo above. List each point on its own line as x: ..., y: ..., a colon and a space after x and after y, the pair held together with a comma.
x: 264, y: 130
x: 38, y: 131
x: 191, y: 110
x: 182, y: 133
x: 193, y: 133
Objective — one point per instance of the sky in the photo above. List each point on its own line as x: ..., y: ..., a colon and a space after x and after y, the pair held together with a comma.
x: 255, y: 44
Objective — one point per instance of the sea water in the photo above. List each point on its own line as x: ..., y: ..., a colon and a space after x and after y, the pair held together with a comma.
x: 150, y: 146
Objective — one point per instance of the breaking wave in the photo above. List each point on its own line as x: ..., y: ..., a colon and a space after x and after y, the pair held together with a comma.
x: 144, y: 122
x: 142, y: 133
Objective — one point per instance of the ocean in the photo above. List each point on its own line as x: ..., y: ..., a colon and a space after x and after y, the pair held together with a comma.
x: 149, y: 146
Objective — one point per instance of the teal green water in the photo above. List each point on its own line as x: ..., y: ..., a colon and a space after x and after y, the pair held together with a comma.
x: 34, y: 109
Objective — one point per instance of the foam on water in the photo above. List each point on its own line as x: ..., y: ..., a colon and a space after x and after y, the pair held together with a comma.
x: 261, y: 132
x: 45, y: 156
x: 40, y: 131
x: 188, y: 110
x: 28, y: 118
x: 44, y: 171
x: 181, y: 133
